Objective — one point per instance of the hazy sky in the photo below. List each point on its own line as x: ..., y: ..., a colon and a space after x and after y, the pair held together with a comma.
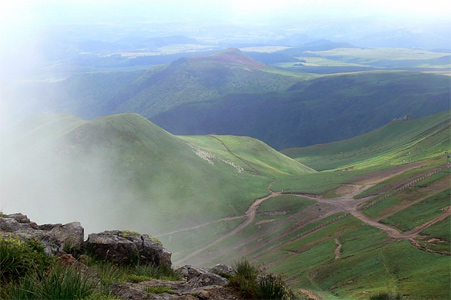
x: 24, y: 13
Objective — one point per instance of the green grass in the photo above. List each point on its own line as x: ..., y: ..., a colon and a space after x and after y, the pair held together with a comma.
x: 384, y: 57
x: 159, y: 290
x: 393, y: 144
x: 419, y: 213
x: 440, y: 230
x: 319, y: 183
x: 286, y: 202
x: 420, y: 274
x: 379, y: 209
x: 394, y: 181
x: 251, y: 154
x: 437, y: 237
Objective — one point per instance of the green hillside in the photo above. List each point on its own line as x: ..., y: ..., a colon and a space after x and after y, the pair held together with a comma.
x: 230, y: 93
x: 326, y: 109
x: 363, y: 233
x: 255, y: 156
x: 395, y: 143
x: 123, y: 170
x: 197, y: 79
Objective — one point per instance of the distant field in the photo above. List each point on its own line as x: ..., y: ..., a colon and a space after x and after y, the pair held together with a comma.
x: 343, y: 60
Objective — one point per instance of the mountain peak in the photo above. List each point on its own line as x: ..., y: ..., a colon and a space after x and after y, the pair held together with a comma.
x: 231, y: 56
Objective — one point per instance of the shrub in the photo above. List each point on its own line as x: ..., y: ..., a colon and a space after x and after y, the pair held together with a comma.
x: 19, y: 258
x: 386, y: 296
x: 108, y: 274
x: 252, y: 283
x: 271, y: 286
x: 245, y: 278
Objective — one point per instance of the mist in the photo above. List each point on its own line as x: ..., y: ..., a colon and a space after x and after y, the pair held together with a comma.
x: 45, y: 42
x: 59, y: 180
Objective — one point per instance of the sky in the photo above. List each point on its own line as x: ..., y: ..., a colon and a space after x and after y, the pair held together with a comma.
x: 26, y: 13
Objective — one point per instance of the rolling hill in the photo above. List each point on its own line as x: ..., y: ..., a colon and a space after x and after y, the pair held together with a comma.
x: 119, y: 169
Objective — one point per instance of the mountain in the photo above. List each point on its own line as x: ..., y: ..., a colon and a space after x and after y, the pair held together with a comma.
x: 321, y: 110
x: 197, y: 79
x: 126, y: 169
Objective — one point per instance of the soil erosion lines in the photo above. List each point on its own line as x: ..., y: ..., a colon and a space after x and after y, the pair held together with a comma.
x: 250, y: 217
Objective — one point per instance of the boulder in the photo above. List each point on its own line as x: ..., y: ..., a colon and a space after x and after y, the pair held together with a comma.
x: 207, y: 279
x: 222, y: 270
x: 197, y: 277
x: 56, y: 238
x: 128, y: 247
x: 189, y: 272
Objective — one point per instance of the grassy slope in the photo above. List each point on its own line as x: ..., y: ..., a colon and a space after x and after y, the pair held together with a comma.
x: 259, y: 157
x: 395, y: 143
x: 369, y: 262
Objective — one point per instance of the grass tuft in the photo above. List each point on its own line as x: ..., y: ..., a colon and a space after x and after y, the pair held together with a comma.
x: 386, y: 296
x: 252, y: 283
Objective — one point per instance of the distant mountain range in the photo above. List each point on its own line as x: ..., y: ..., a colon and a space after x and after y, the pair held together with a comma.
x: 231, y: 93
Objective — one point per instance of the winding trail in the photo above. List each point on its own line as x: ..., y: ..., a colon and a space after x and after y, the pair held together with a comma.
x: 250, y: 214
x: 345, y: 203
x: 337, y: 251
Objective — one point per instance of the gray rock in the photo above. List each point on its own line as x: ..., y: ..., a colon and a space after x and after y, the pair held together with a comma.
x: 221, y: 270
x: 189, y: 272
x: 56, y: 238
x: 128, y: 247
x: 207, y: 279
x: 198, y: 277
x: 128, y: 291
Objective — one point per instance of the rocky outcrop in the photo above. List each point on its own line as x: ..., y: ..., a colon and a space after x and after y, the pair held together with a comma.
x: 56, y: 238
x: 116, y: 246
x: 128, y: 247
x: 122, y: 247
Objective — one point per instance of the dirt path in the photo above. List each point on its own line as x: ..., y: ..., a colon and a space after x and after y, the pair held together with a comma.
x: 250, y: 217
x: 311, y: 294
x: 422, y: 227
x: 345, y: 203
x: 337, y: 251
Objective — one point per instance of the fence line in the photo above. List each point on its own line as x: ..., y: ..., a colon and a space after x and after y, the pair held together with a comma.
x: 405, y: 186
